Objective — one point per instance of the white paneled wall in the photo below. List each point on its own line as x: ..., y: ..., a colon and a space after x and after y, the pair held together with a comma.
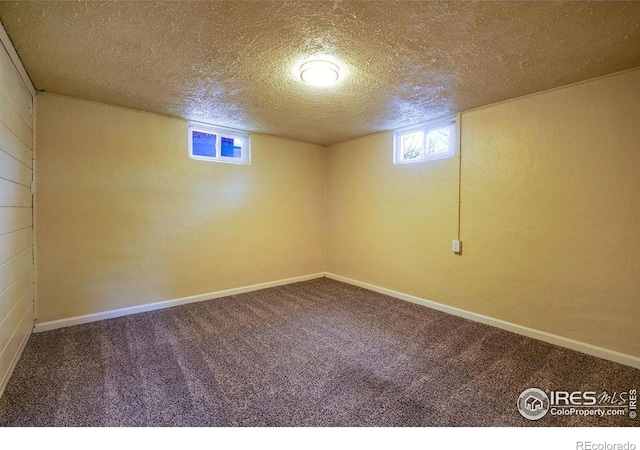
x: 16, y: 213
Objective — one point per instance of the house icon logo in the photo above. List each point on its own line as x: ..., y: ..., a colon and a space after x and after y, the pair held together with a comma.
x: 533, y: 404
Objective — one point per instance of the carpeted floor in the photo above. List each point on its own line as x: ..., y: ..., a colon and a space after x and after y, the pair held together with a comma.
x: 317, y: 353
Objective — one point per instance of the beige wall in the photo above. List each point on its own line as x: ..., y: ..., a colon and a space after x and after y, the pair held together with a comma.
x: 550, y: 215
x: 16, y: 231
x: 125, y: 217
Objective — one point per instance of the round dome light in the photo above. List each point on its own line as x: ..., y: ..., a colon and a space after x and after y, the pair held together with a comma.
x: 319, y: 73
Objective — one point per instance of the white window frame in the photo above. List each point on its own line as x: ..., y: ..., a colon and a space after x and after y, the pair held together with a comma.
x: 425, y: 127
x: 221, y: 133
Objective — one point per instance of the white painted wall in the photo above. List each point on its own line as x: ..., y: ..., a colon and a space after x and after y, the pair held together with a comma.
x: 16, y: 210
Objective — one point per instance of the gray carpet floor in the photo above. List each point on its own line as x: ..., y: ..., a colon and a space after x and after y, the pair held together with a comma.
x: 316, y: 353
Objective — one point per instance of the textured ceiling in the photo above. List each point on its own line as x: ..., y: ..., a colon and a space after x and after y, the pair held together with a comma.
x: 233, y: 63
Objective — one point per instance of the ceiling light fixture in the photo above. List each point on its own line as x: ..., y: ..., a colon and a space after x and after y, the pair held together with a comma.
x: 319, y: 73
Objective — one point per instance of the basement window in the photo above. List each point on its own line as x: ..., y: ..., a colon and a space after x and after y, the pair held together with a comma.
x: 436, y: 139
x: 210, y: 143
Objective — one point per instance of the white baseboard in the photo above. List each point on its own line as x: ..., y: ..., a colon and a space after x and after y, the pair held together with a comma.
x: 583, y: 347
x: 54, y: 324
x: 14, y: 362
x: 589, y: 349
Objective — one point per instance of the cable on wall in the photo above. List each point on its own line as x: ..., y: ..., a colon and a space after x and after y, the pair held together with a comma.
x: 459, y: 119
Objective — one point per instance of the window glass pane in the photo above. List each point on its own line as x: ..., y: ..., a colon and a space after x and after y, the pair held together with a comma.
x: 231, y: 147
x: 204, y: 144
x: 439, y: 141
x: 412, y: 145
